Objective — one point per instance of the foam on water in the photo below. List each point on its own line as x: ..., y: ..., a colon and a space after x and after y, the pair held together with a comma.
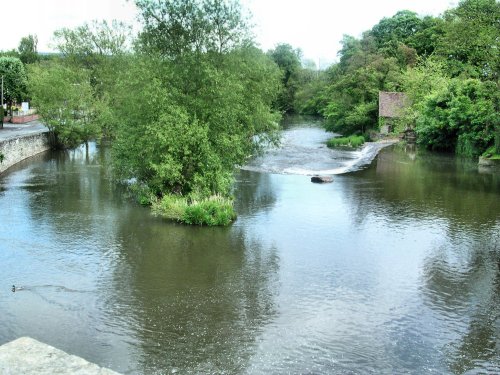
x: 303, y: 151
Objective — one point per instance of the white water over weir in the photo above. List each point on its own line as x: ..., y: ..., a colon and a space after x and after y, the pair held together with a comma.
x: 303, y: 151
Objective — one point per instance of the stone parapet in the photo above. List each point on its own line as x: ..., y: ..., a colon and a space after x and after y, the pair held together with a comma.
x: 22, y: 147
x: 29, y: 357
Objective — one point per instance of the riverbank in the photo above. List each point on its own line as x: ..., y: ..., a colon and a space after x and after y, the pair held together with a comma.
x: 21, y: 141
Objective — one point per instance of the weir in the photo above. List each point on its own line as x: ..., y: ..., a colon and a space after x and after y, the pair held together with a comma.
x: 303, y: 151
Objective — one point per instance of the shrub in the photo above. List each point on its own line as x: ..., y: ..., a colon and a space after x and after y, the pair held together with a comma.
x: 352, y: 141
x: 141, y: 193
x: 491, y: 153
x: 212, y: 211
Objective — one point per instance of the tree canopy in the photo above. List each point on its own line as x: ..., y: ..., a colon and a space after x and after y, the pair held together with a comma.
x: 28, y: 52
x: 14, y: 79
x: 447, y: 65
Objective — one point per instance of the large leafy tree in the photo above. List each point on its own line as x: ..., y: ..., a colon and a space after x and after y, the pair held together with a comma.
x: 98, y: 47
x: 65, y: 100
x: 396, y: 29
x: 288, y: 60
x: 28, y: 52
x: 195, y: 101
x: 14, y: 79
x: 174, y: 28
x: 471, y: 40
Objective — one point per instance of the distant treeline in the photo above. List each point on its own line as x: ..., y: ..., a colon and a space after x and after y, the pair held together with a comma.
x: 449, y: 67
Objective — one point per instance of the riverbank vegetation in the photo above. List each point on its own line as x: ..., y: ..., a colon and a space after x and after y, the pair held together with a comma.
x: 354, y: 141
x: 184, y: 103
x: 447, y: 65
x: 191, y: 96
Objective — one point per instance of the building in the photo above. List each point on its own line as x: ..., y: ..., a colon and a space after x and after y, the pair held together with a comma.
x: 391, y: 106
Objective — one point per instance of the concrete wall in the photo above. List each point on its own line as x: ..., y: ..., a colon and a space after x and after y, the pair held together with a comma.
x: 22, y: 147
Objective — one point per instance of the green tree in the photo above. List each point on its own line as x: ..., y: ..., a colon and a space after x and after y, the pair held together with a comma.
x: 64, y: 98
x: 396, y: 29
x: 14, y: 80
x: 451, y: 114
x: 87, y: 44
x: 460, y: 117
x: 352, y: 104
x: 173, y: 28
x: 426, y: 39
x: 471, y: 40
x: 194, y: 104
x: 28, y: 49
x: 97, y: 46
x: 288, y: 60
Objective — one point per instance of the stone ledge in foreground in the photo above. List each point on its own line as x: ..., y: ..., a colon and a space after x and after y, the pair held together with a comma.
x: 29, y: 356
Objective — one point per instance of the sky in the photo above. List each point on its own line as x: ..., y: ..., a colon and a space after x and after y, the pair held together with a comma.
x: 314, y: 26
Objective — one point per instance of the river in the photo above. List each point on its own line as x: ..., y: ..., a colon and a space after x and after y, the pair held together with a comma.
x: 392, y: 268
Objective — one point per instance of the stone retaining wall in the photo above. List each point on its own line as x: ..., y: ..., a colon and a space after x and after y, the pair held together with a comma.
x: 22, y: 147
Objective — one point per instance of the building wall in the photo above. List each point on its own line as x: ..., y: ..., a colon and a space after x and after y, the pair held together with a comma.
x: 391, y: 104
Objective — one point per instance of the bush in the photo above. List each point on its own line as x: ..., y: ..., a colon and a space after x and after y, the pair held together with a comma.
x: 491, y: 153
x: 142, y: 193
x: 212, y: 211
x: 353, y: 141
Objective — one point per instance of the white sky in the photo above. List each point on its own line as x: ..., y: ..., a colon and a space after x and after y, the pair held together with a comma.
x: 314, y: 26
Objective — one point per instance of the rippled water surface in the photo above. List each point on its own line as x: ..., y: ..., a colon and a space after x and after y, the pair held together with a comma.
x: 394, y: 268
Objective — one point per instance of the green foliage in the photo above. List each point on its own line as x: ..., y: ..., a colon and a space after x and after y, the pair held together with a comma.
x: 441, y: 63
x: 353, y: 91
x: 288, y: 60
x: 471, y: 40
x: 309, y: 99
x: 142, y: 193
x: 460, y: 117
x: 491, y: 153
x: 497, y: 140
x: 64, y: 98
x: 28, y: 49
x: 98, y: 48
x: 399, y: 28
x: 2, y: 157
x: 205, y: 104
x: 426, y: 38
x: 353, y: 141
x: 175, y: 28
x: 86, y: 45
x: 14, y: 79
x: 212, y: 211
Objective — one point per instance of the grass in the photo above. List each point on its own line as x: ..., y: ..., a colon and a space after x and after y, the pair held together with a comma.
x: 352, y: 141
x: 212, y: 211
x: 491, y: 154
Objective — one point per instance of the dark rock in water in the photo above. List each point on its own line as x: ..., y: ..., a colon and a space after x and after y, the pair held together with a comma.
x: 321, y: 179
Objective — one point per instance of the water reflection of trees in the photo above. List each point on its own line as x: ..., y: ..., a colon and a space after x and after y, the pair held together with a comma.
x: 462, y: 284
x: 197, y: 297
x: 254, y: 193
x: 461, y: 275
x: 71, y: 184
x: 401, y: 185
x: 169, y: 296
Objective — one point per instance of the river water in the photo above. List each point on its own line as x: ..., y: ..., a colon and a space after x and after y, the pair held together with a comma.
x: 393, y: 268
